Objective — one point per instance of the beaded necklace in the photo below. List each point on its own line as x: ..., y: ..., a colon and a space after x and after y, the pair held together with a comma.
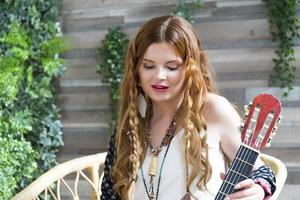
x: 154, y: 160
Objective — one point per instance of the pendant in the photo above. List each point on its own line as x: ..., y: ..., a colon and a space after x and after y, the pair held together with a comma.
x: 186, y: 197
x: 152, y: 196
x: 153, y: 166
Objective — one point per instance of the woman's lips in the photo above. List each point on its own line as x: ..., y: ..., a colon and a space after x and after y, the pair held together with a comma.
x: 160, y: 88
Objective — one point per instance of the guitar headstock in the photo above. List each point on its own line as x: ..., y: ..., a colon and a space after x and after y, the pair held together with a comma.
x: 261, y: 122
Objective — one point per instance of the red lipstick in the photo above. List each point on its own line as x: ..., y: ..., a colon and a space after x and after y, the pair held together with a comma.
x: 160, y: 88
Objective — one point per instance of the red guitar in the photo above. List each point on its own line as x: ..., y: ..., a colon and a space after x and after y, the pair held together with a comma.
x: 258, y: 131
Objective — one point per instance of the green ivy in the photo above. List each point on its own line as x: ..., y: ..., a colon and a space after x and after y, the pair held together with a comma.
x: 29, y: 47
x: 284, y: 26
x: 17, y: 157
x: 184, y: 9
x: 111, y: 68
x: 17, y: 164
x: 10, y: 59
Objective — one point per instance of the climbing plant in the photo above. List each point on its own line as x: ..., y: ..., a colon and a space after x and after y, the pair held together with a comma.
x: 112, y: 56
x: 17, y: 157
x: 30, y: 129
x: 284, y: 27
x: 184, y: 9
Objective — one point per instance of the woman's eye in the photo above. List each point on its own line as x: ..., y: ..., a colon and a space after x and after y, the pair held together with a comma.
x: 148, y: 66
x: 172, y: 68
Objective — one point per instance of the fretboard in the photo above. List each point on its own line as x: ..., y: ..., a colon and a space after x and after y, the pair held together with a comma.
x: 239, y: 170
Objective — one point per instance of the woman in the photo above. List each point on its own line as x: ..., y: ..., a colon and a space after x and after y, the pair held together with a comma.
x: 174, y: 131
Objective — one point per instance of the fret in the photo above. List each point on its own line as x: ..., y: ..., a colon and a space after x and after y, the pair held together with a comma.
x: 238, y: 173
x: 223, y: 194
x: 229, y: 183
x: 248, y: 149
x: 239, y: 170
x: 249, y: 156
x: 241, y: 167
x: 245, y: 162
x: 260, y: 119
x: 233, y: 178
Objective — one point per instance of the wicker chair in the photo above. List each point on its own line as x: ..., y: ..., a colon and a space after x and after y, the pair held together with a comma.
x: 93, y: 164
x: 279, y: 170
x: 52, y: 182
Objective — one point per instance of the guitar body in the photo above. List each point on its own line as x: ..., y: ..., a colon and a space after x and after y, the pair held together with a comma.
x: 258, y: 131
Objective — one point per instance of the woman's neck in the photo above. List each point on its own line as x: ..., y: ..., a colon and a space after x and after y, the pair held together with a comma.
x: 164, y: 111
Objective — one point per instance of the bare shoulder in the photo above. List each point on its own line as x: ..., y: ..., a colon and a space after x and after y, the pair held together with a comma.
x: 218, y: 108
x: 219, y: 112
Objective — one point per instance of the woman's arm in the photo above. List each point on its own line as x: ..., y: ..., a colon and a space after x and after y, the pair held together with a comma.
x: 219, y: 112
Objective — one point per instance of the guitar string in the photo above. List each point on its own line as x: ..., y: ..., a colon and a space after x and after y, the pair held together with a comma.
x: 223, y: 184
x: 223, y: 190
x: 240, y: 152
x: 238, y: 167
x: 251, y: 158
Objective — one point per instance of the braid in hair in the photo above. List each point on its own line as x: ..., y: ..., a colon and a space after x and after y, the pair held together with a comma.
x: 188, y: 132
x: 134, y: 134
x: 194, y: 123
x: 128, y: 132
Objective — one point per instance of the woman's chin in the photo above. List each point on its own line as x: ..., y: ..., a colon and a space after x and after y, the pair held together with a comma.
x: 161, y: 99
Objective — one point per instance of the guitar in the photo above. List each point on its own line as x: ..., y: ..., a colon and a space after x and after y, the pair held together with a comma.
x: 259, y: 129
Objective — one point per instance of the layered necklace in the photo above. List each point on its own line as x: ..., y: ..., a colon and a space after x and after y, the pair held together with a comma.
x: 154, y: 160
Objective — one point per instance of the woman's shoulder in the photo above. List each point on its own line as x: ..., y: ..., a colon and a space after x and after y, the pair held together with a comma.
x: 213, y: 99
x: 218, y: 108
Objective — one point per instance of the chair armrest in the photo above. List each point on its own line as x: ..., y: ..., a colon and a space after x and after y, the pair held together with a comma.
x: 92, y: 163
x: 279, y: 170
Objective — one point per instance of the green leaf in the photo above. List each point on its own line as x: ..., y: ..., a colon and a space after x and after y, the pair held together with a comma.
x: 284, y: 28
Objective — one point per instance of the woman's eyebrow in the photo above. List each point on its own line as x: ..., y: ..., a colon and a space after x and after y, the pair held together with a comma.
x: 148, y: 60
x: 170, y: 61
x: 174, y: 61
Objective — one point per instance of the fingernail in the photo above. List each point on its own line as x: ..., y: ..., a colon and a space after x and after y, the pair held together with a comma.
x: 237, y: 186
x: 227, y: 198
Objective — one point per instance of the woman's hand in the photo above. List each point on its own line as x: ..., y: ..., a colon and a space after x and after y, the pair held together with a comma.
x: 248, y: 190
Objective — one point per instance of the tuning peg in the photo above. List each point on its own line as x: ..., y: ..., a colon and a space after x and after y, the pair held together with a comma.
x: 269, y: 142
x: 279, y: 119
x: 241, y: 127
x: 245, y: 117
x: 247, y: 107
x: 273, y: 134
x: 275, y: 128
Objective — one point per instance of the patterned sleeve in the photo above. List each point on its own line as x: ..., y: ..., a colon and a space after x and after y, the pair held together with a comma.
x: 107, y: 192
x: 265, y: 177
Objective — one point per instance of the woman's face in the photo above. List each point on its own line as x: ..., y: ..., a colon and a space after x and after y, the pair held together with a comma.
x: 161, y: 73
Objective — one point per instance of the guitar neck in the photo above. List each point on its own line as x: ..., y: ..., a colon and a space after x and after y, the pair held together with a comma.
x: 239, y: 170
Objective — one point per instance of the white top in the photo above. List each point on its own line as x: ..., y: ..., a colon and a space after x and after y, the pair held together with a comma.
x: 172, y: 184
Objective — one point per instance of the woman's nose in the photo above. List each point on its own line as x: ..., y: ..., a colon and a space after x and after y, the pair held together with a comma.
x: 161, y: 74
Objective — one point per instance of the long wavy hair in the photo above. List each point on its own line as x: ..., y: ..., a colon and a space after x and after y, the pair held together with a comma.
x: 131, y: 138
